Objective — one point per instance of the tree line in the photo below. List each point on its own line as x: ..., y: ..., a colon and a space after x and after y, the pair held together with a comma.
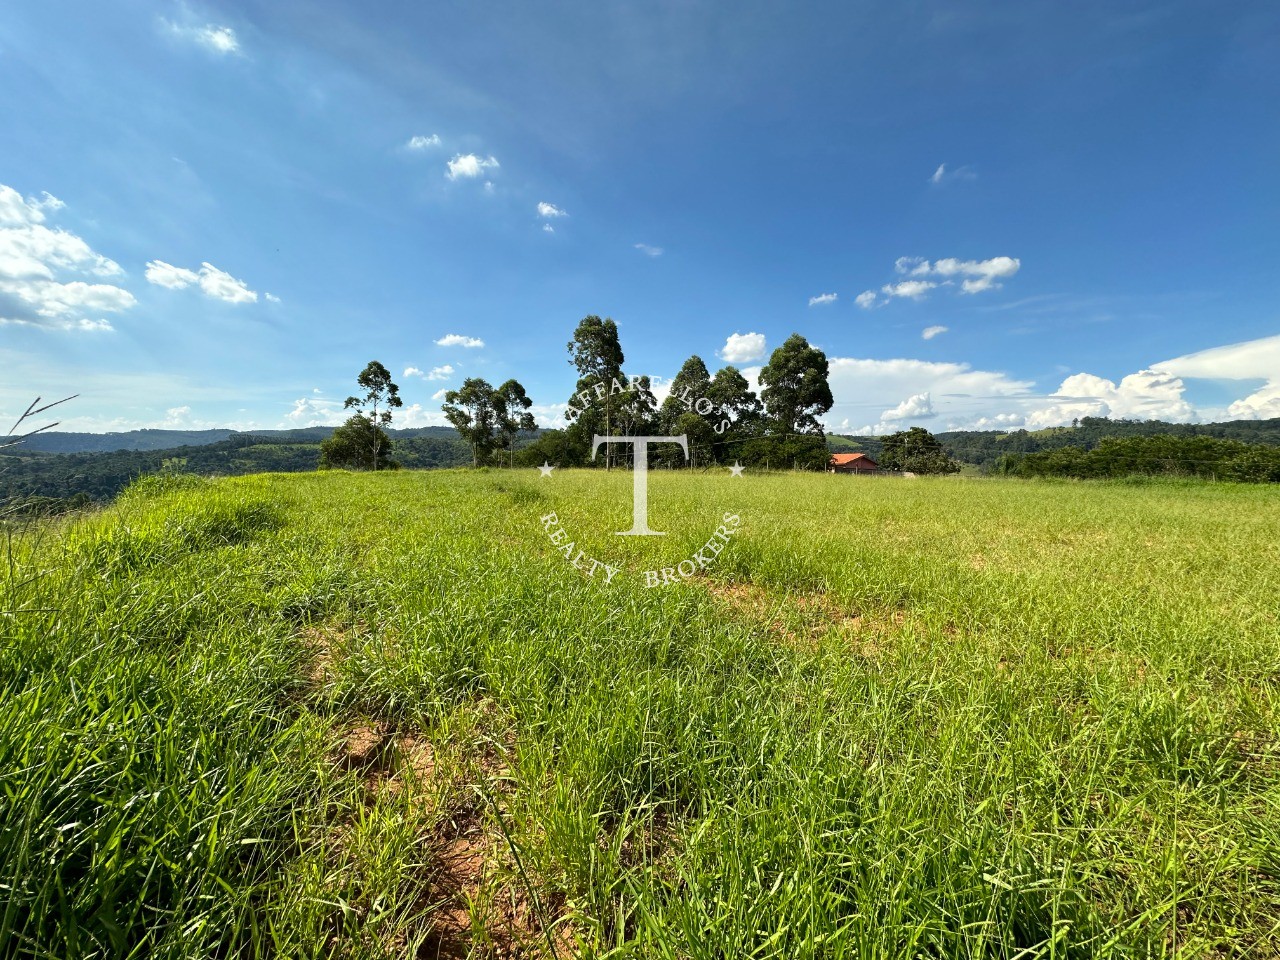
x: 723, y: 418
x: 1209, y: 458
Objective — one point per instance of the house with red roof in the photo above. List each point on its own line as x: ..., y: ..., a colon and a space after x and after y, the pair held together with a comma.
x: 851, y: 463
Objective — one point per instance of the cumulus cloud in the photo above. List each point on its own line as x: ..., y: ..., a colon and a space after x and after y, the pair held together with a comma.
x: 271, y: 298
x: 439, y: 394
x: 435, y: 373
x: 1261, y: 405
x: 36, y: 261
x: 421, y: 142
x: 1250, y: 360
x: 930, y: 332
x: 955, y: 390
x: 959, y: 397
x: 1145, y: 395
x: 212, y: 282
x: 314, y: 412
x: 1001, y: 421
x: 416, y: 415
x: 866, y: 299
x: 918, y: 406
x: 216, y: 39
x: 823, y: 298
x: 458, y: 340
x: 975, y: 275
x: 467, y: 166
x: 649, y: 251
x: 908, y: 289
x: 167, y: 275
x: 550, y: 415
x: 742, y: 347
x: 549, y: 210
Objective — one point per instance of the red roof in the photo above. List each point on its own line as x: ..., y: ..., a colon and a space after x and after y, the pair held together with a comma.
x: 840, y: 459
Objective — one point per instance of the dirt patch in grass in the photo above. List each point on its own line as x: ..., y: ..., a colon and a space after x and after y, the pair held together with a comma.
x: 471, y: 899
x: 320, y: 642
x: 803, y: 620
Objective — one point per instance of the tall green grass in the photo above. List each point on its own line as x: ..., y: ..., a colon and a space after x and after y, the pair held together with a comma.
x: 951, y: 718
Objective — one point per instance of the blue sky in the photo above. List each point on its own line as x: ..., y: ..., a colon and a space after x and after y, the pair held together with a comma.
x: 986, y: 214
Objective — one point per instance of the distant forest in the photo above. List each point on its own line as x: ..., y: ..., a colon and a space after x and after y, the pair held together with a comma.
x: 26, y: 471
x: 984, y: 448
x: 65, y: 469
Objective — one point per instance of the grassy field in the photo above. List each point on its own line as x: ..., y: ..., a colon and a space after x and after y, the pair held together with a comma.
x: 363, y: 716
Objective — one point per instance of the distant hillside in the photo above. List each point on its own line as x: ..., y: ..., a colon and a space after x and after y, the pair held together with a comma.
x: 101, y: 475
x: 55, y: 441
x: 985, y: 447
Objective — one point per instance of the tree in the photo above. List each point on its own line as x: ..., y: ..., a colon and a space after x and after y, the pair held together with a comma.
x: 358, y: 444
x: 473, y: 411
x: 637, y: 409
x: 511, y: 405
x: 375, y: 405
x: 796, y: 392
x: 690, y: 384
x: 915, y: 451
x: 738, y: 412
x: 596, y: 354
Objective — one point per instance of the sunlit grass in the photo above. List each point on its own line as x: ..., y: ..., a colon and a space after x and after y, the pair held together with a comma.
x: 960, y: 718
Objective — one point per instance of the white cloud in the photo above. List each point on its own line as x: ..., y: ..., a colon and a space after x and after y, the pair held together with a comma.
x: 212, y: 282
x: 910, y: 289
x: 866, y: 299
x: 167, y: 275
x: 1001, y: 421
x: 930, y: 332
x: 976, y: 275
x: 469, y: 166
x: 310, y: 412
x: 435, y: 373
x: 35, y: 261
x: 548, y: 210
x: 966, y: 399
x: 416, y: 415
x: 223, y: 286
x: 1145, y: 395
x: 823, y: 298
x: 943, y: 175
x: 439, y: 394
x: 420, y: 142
x: 271, y: 298
x: 548, y: 228
x: 458, y: 340
x: 742, y: 347
x: 1260, y: 405
x: 550, y: 415
x: 649, y: 251
x: 221, y: 40
x: 918, y: 406
x: 955, y: 390
x: 1251, y: 360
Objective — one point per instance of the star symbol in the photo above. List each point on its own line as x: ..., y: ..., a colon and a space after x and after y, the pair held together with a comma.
x: 736, y: 469
x: 546, y: 469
